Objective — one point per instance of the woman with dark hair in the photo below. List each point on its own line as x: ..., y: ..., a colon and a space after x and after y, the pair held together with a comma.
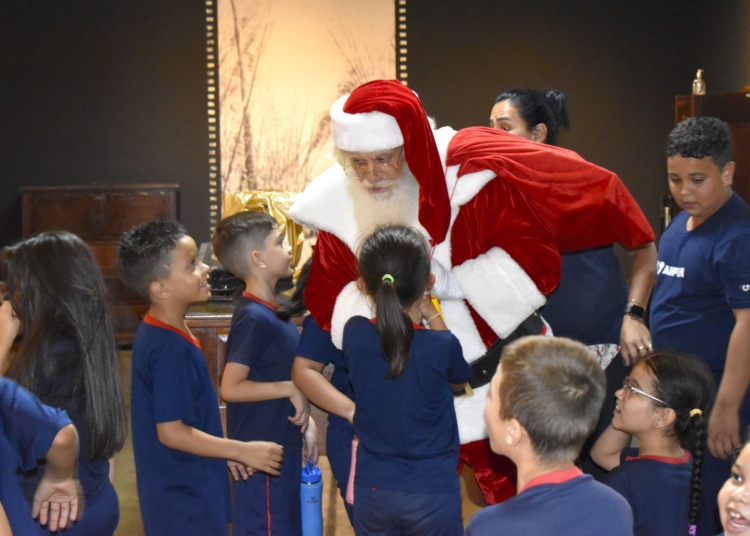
x: 67, y: 358
x: 532, y: 114
x: 593, y: 302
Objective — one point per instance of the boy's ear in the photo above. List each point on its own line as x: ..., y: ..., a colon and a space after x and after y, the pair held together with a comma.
x: 256, y: 259
x: 664, y: 417
x: 514, y: 433
x: 158, y: 290
x: 727, y: 174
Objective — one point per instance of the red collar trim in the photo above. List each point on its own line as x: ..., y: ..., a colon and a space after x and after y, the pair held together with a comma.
x: 151, y: 321
x: 555, y: 477
x: 664, y: 459
x: 253, y: 297
x: 374, y: 321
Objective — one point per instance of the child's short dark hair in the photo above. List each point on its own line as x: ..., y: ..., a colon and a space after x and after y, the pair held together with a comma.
x: 699, y: 137
x: 238, y: 235
x: 555, y: 388
x: 145, y: 253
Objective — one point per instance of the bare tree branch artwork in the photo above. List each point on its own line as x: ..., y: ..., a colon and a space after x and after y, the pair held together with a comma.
x: 282, y: 63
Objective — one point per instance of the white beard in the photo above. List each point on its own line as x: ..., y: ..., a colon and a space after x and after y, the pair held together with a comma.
x: 398, y: 206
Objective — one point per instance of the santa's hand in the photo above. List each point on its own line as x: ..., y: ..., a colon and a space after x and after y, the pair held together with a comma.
x: 445, y: 286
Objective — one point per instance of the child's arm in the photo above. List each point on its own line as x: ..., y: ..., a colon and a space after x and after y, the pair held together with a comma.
x: 311, y: 449
x: 259, y: 455
x: 235, y: 387
x: 724, y: 422
x: 56, y: 497
x: 307, y: 375
x: 606, y: 451
x: 4, y: 524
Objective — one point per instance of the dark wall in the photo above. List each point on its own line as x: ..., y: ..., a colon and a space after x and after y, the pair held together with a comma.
x: 621, y: 63
x: 103, y: 92
x: 725, y: 47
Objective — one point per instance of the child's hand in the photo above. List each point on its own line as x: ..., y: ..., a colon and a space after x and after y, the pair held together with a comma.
x: 301, y: 407
x: 262, y: 456
x: 427, y: 306
x: 238, y: 470
x: 56, y: 502
x: 310, y: 447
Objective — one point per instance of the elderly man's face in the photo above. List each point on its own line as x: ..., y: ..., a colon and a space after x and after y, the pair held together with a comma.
x: 378, y: 172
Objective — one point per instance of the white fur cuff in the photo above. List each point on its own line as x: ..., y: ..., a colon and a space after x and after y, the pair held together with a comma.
x: 499, y: 290
x: 470, y: 415
x: 351, y: 302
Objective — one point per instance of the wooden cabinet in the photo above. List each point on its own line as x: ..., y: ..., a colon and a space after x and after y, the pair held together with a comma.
x: 99, y: 214
x: 734, y: 108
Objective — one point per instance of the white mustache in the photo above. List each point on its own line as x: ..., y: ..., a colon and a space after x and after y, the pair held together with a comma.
x: 384, y: 183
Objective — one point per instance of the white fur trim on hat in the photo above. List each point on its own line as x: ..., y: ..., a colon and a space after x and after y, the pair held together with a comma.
x: 366, y: 132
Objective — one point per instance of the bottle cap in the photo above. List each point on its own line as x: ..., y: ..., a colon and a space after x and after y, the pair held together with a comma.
x: 311, y: 474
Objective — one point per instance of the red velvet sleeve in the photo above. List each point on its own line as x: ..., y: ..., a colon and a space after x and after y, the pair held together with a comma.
x: 333, y: 267
x: 584, y: 205
x: 500, y: 216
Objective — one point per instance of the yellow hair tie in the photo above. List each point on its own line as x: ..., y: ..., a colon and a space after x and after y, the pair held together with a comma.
x: 694, y: 412
x: 388, y: 277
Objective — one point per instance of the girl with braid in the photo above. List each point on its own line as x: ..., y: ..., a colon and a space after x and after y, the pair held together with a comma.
x: 402, y: 375
x: 664, y: 404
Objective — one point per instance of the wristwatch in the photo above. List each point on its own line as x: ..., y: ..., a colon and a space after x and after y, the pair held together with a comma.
x: 636, y: 311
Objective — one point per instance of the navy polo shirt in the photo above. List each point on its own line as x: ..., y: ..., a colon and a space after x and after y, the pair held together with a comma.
x: 657, y: 489
x: 267, y: 345
x: 179, y: 493
x: 407, y: 429
x: 701, y: 276
x: 27, y: 430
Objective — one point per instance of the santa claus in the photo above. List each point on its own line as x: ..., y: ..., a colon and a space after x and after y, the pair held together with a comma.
x: 496, y: 208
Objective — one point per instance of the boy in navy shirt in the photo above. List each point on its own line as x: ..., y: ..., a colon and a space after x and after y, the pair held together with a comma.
x: 543, y: 402
x: 262, y: 402
x: 177, y: 435
x: 701, y: 300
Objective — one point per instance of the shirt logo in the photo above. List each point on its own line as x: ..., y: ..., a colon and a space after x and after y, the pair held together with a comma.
x: 745, y: 288
x: 671, y: 271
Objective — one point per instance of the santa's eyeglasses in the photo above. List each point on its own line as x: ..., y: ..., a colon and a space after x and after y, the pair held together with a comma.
x: 382, y: 167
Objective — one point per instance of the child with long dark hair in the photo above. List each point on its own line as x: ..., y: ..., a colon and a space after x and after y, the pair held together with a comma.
x: 665, y: 404
x: 401, y: 374
x: 67, y: 358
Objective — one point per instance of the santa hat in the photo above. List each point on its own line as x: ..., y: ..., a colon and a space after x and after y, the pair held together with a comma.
x: 384, y: 114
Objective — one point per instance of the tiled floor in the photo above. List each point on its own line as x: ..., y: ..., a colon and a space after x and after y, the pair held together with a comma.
x: 335, y: 520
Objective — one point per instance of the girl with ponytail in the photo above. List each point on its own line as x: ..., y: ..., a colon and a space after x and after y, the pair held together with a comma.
x: 664, y: 404
x: 402, y: 376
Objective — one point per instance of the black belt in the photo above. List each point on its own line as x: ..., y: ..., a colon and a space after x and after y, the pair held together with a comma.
x: 483, y: 368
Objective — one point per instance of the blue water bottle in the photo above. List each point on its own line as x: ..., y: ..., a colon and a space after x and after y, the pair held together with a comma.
x: 311, y: 496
